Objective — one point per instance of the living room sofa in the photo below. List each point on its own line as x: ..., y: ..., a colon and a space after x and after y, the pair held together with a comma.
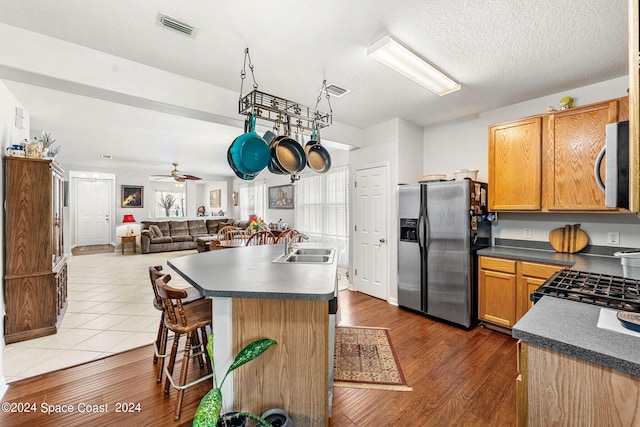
x: 164, y: 236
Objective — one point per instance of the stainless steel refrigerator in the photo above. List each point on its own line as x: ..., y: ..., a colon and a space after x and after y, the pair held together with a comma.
x: 441, y: 226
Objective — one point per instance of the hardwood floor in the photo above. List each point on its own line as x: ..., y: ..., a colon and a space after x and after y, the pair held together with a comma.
x: 459, y: 378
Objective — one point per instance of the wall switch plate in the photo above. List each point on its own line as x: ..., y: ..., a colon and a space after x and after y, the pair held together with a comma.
x: 526, y: 233
x: 613, y: 237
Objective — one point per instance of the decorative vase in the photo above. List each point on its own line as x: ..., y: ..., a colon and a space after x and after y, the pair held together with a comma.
x: 278, y: 418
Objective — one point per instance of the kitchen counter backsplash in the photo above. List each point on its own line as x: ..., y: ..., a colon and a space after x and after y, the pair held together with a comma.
x: 546, y: 246
x: 591, y: 263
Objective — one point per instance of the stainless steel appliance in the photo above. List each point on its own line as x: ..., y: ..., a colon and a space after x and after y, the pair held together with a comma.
x: 442, y: 224
x: 614, y: 292
x: 616, y: 149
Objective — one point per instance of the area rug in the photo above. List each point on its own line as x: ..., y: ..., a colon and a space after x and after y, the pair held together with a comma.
x: 365, y: 358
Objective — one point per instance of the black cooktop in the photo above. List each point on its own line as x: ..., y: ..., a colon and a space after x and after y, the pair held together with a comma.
x: 600, y: 289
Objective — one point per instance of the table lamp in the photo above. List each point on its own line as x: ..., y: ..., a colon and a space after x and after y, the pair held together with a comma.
x: 128, y: 219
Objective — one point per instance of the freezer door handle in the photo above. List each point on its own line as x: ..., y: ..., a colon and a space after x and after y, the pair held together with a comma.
x: 421, y: 232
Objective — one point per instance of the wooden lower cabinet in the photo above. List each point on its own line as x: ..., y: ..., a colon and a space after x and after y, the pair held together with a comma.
x: 531, y: 276
x: 497, y: 291
x: 504, y: 287
x: 554, y: 389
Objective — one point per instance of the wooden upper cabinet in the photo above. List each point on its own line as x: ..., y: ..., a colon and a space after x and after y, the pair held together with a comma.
x: 575, y: 138
x: 515, y: 165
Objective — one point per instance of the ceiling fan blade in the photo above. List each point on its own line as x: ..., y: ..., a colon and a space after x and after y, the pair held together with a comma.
x: 178, y: 178
x: 194, y: 178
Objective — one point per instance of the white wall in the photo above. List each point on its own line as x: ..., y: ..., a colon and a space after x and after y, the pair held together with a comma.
x: 202, y: 197
x: 464, y: 144
x: 9, y: 135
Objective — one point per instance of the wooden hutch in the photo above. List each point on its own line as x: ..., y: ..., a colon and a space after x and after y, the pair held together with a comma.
x: 35, y: 280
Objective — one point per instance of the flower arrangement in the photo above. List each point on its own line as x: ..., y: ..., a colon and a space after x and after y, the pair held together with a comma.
x: 256, y: 222
x: 48, y: 150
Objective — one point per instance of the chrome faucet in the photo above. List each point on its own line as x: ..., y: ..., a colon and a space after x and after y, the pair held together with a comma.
x: 289, y: 242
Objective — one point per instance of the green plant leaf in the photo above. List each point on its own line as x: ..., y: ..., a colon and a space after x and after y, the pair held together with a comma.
x: 213, y: 365
x: 208, y: 411
x: 249, y: 353
x: 254, y: 417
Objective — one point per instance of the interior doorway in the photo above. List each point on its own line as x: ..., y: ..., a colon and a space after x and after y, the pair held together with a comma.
x: 92, y: 210
x: 371, y: 256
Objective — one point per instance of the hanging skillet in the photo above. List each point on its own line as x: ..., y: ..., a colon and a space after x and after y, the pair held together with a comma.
x: 250, y: 152
x: 318, y: 158
x: 287, y: 154
x: 273, y: 167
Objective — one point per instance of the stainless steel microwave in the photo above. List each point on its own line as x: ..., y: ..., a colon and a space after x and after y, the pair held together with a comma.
x: 616, y: 149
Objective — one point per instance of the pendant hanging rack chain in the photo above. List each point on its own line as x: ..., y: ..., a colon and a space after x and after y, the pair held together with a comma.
x: 324, y: 89
x: 243, y: 73
x: 280, y: 110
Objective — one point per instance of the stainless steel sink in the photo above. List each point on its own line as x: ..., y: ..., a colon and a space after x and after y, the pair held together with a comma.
x: 307, y: 256
x: 313, y: 251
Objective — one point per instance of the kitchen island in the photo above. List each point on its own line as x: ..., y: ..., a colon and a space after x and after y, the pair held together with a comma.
x: 572, y: 370
x: 252, y: 298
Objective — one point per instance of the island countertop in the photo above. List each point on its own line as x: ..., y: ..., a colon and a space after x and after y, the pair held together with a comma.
x: 248, y: 272
x: 570, y: 327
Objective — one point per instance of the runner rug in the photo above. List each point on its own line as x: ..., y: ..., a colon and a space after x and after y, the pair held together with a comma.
x: 365, y: 358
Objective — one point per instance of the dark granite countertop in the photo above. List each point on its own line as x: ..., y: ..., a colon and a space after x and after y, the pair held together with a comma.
x: 247, y: 272
x: 588, y: 263
x: 570, y: 327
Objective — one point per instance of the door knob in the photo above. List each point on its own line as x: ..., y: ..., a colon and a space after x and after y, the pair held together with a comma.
x: 382, y: 240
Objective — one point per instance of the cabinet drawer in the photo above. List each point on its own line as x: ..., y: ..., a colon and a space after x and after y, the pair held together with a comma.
x: 495, y: 264
x: 542, y: 271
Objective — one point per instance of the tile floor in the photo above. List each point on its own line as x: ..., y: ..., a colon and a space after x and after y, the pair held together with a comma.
x: 109, y: 311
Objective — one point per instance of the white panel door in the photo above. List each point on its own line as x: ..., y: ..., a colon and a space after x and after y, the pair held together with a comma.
x: 370, y: 232
x: 92, y: 212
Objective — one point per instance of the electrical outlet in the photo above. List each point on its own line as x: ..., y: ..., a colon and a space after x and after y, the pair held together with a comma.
x: 526, y: 233
x: 613, y: 237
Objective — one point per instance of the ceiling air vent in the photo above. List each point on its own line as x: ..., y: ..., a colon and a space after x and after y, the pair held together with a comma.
x: 176, y: 25
x: 336, y: 91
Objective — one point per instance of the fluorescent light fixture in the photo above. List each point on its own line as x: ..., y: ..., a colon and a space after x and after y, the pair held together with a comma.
x: 411, y: 65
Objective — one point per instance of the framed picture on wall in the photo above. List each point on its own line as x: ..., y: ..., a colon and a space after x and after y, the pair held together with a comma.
x: 214, y: 198
x: 281, y: 197
x: 132, y: 196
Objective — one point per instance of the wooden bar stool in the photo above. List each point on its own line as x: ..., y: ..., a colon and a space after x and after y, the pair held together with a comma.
x: 160, y: 345
x: 188, y: 320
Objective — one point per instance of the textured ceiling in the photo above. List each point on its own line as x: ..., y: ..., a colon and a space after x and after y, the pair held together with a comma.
x: 500, y: 51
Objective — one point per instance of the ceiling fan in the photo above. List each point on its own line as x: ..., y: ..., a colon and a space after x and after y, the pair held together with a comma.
x: 179, y: 177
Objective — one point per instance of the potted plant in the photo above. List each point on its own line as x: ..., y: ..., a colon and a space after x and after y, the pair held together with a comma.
x: 167, y: 201
x: 208, y: 412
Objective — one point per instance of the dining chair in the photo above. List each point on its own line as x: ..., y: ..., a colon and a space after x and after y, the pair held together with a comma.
x: 230, y: 232
x: 293, y: 235
x: 262, y: 237
x: 188, y: 320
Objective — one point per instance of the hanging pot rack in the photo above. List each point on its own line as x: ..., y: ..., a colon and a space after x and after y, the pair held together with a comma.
x: 282, y: 112
x: 278, y: 110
